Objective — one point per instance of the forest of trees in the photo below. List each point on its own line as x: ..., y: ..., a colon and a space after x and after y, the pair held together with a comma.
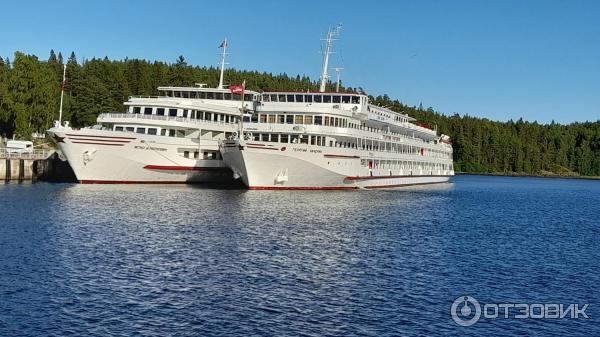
x: 30, y: 96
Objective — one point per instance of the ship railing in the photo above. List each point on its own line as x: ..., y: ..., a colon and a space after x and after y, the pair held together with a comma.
x: 363, y: 131
x: 35, y: 154
x: 103, y: 116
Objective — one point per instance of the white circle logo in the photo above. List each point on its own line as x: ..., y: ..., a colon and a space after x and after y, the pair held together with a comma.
x: 469, y: 312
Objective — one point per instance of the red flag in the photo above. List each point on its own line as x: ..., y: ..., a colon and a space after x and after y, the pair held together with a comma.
x: 236, y: 89
x: 223, y: 44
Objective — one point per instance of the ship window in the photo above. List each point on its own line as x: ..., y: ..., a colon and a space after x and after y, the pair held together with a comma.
x: 336, y: 99
x: 208, y: 116
x: 227, y: 96
x: 163, y: 132
x: 173, y: 112
x: 327, y: 120
x: 118, y: 128
x: 264, y: 137
x: 355, y: 100
x: 326, y: 99
x: 141, y: 130
x: 254, y: 118
x: 160, y: 111
x: 289, y: 119
x: 147, y: 111
x: 248, y: 97
x: 273, y: 98
x: 185, y: 94
x: 290, y: 98
x: 271, y: 118
x: 318, y: 98
x: 263, y: 118
x: 313, y: 140
x: 298, y: 119
x: 202, y: 95
x: 196, y: 155
x: 193, y: 94
x: 129, y: 128
x: 281, y: 119
x: 210, y: 95
x: 137, y: 109
x: 281, y: 98
x: 284, y: 139
x: 185, y: 113
x: 177, y: 93
x: 318, y: 120
x: 180, y: 133
x: 219, y: 95
x: 171, y: 133
x: 186, y: 154
x: 256, y: 137
x: 308, y: 98
x: 152, y: 131
x: 304, y: 139
x: 308, y: 119
x: 299, y: 98
x: 294, y: 139
x: 236, y: 97
x: 346, y: 99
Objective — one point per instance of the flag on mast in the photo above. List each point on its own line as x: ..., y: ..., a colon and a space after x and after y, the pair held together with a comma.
x: 236, y: 89
x: 223, y: 44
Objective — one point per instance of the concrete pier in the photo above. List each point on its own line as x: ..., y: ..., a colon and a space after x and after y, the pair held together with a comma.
x: 22, y: 166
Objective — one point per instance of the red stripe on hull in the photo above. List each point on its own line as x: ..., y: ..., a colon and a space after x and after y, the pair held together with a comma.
x: 339, y: 156
x: 262, y: 148
x: 93, y: 136
x: 309, y: 188
x: 399, y: 176
x: 185, y: 168
x: 332, y: 188
x: 96, y: 143
x: 99, y: 140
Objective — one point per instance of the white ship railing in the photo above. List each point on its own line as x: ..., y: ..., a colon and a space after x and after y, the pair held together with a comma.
x: 104, y: 116
x: 35, y: 154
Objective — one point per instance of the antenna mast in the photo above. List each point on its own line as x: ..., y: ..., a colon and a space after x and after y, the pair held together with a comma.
x: 224, y: 46
x: 328, y: 50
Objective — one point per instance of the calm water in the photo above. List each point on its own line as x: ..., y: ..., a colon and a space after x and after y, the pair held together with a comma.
x: 85, y: 260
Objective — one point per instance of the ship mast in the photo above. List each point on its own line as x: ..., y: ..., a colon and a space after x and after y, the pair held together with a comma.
x: 224, y: 46
x: 62, y: 93
x: 328, y: 50
x: 337, y: 81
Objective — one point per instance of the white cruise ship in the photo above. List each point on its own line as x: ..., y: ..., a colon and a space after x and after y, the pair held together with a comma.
x: 326, y: 140
x: 170, y: 138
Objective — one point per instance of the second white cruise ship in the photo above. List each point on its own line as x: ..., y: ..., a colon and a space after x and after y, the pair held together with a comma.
x: 332, y: 140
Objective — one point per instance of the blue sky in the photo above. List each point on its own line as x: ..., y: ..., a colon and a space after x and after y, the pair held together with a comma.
x: 539, y: 60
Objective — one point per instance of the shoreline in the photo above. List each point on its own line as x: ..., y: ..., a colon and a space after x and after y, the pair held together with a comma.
x: 523, y: 175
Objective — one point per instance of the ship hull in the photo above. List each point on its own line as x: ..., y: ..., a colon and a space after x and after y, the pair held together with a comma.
x: 110, y: 157
x: 264, y: 166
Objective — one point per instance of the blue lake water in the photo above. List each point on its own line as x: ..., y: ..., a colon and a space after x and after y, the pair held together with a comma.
x: 93, y: 260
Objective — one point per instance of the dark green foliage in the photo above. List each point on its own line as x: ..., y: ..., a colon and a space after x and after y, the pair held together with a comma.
x: 485, y: 146
x: 30, y: 96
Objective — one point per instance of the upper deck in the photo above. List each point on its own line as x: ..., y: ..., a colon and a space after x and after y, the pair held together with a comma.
x: 348, y: 105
